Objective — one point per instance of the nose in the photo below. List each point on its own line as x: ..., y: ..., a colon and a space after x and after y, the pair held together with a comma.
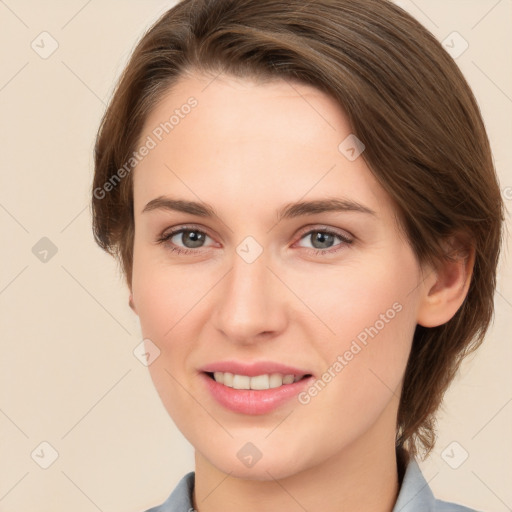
x: 250, y: 303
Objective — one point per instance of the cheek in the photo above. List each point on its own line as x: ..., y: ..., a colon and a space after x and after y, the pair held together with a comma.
x: 168, y: 300
x: 164, y: 293
x: 165, y: 299
x: 361, y: 298
x: 373, y: 315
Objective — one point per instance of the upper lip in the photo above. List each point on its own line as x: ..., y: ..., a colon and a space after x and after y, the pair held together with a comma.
x: 253, y: 369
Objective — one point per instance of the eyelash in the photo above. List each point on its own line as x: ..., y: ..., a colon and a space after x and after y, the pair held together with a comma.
x: 165, y: 240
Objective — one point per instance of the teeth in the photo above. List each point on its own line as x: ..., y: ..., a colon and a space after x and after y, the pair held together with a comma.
x: 266, y: 381
x: 241, y: 382
x: 288, y: 379
x: 275, y: 380
x: 228, y: 379
x: 260, y: 382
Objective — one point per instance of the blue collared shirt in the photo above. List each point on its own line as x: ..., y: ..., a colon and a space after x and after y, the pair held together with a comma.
x: 415, y: 495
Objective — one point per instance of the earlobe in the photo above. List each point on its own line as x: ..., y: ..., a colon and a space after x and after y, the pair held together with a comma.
x: 446, y: 287
x: 131, y: 304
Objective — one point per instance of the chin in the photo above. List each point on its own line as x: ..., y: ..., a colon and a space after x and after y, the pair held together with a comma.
x: 273, y: 467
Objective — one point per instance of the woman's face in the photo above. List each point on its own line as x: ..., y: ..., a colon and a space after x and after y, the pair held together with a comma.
x: 326, y: 292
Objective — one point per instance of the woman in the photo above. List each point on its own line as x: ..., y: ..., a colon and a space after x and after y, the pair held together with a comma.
x: 304, y: 204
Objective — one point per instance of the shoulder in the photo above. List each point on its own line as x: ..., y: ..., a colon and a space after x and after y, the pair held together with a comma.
x: 415, y: 494
x: 180, y: 500
x: 446, y: 506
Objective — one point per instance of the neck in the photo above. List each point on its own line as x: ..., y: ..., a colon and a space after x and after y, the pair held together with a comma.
x: 363, y: 477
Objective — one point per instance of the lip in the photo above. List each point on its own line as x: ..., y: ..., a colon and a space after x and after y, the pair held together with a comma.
x: 253, y: 369
x: 250, y: 401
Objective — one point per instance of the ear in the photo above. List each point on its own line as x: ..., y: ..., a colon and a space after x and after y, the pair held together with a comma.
x: 446, y: 286
x: 131, y: 304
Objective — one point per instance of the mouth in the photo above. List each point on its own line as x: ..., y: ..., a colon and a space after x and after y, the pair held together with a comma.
x: 258, y: 382
x: 254, y: 394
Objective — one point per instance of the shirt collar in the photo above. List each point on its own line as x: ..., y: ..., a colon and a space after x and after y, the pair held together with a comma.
x: 415, y: 493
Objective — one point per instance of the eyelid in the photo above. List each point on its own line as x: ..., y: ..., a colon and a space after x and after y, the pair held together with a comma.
x: 168, y: 233
x: 343, y: 234
x: 345, y: 237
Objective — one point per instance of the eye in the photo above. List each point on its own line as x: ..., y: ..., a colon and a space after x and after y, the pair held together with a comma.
x: 323, y: 241
x: 184, y: 240
x: 189, y: 240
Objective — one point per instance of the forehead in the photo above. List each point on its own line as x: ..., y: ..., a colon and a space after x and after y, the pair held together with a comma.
x: 241, y: 108
x: 243, y: 137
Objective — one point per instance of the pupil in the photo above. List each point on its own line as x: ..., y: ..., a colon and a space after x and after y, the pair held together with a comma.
x: 194, y: 238
x: 322, y: 238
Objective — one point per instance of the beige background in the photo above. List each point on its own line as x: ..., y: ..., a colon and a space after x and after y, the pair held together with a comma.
x: 68, y: 373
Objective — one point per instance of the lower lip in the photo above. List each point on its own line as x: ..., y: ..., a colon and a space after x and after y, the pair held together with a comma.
x: 250, y: 401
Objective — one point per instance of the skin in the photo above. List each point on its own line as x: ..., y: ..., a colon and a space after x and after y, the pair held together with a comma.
x: 247, y: 149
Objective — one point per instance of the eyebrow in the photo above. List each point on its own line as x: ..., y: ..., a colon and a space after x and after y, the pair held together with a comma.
x: 289, y: 211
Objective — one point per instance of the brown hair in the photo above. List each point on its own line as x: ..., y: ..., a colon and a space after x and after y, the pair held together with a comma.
x: 407, y: 101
